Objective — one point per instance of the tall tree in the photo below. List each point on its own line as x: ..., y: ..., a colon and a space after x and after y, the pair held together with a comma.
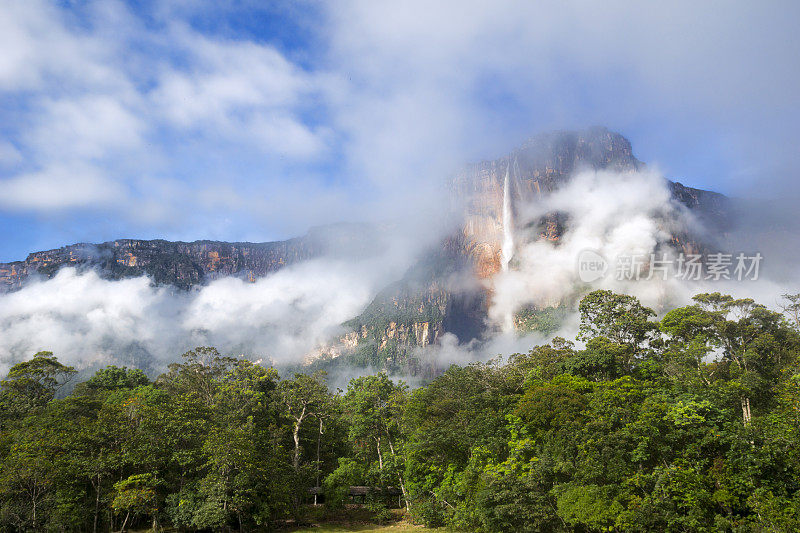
x: 374, y: 407
x: 304, y: 396
x: 32, y: 384
x: 618, y: 317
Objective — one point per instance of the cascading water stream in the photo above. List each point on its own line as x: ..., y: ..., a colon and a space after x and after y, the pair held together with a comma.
x: 507, y: 248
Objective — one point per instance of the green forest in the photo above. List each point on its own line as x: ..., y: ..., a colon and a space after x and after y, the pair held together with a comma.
x: 687, y: 423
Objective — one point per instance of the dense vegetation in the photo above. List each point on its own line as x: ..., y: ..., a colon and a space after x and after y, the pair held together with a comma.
x: 689, y: 423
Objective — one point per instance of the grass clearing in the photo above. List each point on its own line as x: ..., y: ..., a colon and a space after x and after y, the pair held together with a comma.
x: 402, y: 527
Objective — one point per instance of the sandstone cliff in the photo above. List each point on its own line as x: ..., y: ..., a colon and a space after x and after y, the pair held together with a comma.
x: 188, y: 264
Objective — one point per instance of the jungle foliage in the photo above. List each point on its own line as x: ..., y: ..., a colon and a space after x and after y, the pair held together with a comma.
x: 687, y: 423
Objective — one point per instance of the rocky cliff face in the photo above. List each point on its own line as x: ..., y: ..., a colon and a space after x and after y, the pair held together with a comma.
x: 188, y: 264
x: 178, y: 263
x: 711, y: 208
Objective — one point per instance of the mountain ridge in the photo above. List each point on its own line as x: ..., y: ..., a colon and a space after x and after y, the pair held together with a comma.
x: 189, y: 264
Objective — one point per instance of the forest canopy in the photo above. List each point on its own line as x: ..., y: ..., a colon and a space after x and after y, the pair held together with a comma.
x: 687, y: 423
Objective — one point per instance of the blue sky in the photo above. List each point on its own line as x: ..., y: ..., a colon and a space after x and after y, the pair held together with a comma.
x: 235, y: 121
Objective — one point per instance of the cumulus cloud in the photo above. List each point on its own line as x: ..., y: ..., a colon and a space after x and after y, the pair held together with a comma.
x: 85, y: 128
x: 40, y: 48
x: 284, y: 315
x: 59, y: 187
x: 82, y: 318
x: 99, y: 92
x: 618, y: 216
x: 242, y: 90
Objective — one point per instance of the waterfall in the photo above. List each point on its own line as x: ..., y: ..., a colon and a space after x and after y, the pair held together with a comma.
x: 507, y: 249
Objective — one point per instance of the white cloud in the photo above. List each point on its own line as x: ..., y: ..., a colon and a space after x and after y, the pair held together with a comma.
x: 399, y: 93
x: 224, y: 76
x: 60, y: 187
x: 85, y: 319
x: 239, y: 89
x: 86, y: 127
x: 284, y: 134
x: 285, y: 315
x: 39, y: 49
x: 673, y: 72
x: 82, y: 318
